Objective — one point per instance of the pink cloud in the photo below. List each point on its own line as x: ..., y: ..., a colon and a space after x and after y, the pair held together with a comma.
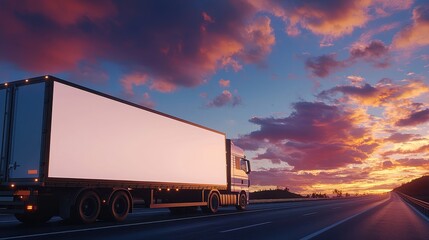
x: 416, y: 34
x: 413, y: 162
x: 147, y: 101
x: 385, y: 8
x: 207, y: 17
x: 224, y: 83
x: 415, y: 118
x: 387, y: 164
x: 314, y: 136
x: 376, y: 53
x: 183, y: 47
x: 368, y: 35
x: 304, y: 182
x: 385, y: 92
x: 261, y: 37
x: 129, y: 81
x: 419, y: 150
x: 224, y: 99
x: 333, y: 18
x: 324, y: 65
x: 400, y: 137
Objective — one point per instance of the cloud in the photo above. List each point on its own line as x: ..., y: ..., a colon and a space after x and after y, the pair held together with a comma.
x: 306, y: 181
x: 324, y: 65
x: 385, y: 8
x: 147, y: 101
x: 368, y: 35
x: 224, y: 83
x: 416, y: 34
x: 261, y: 37
x: 360, y: 92
x: 420, y: 150
x: 314, y: 136
x: 182, y: 45
x: 400, y: 137
x: 224, y: 99
x: 134, y: 79
x: 384, y: 92
x: 356, y: 80
x: 387, y: 164
x: 376, y: 53
x: 413, y: 162
x: 414, y: 119
x: 333, y: 18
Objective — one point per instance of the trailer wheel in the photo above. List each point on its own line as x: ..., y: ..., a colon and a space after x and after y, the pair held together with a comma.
x: 213, y: 203
x: 119, y: 206
x: 87, y: 207
x: 242, y: 202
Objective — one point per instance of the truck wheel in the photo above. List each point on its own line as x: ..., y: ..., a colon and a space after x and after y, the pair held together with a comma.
x: 242, y: 202
x: 87, y: 207
x: 213, y: 204
x: 119, y: 206
x: 33, y: 218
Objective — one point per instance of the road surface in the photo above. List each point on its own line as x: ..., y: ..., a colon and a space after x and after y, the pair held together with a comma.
x: 371, y: 217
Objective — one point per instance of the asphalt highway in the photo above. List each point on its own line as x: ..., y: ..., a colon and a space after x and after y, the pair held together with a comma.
x: 371, y: 217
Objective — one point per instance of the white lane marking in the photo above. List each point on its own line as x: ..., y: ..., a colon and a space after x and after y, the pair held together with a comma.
x: 135, y: 224
x: 338, y: 223
x: 147, y: 223
x: 308, y: 214
x: 248, y: 226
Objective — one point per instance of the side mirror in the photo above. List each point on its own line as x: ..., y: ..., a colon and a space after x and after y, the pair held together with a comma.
x: 248, y: 169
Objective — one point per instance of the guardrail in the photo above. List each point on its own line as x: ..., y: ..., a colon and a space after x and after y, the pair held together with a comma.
x: 420, y: 205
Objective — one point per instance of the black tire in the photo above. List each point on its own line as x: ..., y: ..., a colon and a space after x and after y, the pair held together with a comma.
x: 213, y: 203
x: 119, y: 206
x: 33, y: 218
x: 242, y: 202
x: 87, y: 207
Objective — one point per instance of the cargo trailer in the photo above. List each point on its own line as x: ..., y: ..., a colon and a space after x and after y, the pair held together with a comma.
x: 84, y: 155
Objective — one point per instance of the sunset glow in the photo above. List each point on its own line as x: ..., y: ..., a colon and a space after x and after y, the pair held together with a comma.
x: 321, y: 95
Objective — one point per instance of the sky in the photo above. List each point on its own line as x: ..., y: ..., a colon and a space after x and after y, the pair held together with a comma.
x: 321, y: 95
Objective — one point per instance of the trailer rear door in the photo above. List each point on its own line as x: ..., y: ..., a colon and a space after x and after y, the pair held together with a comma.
x: 3, y: 121
x: 25, y: 145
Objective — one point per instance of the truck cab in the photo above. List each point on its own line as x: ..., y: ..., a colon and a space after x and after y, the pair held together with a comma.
x: 239, y: 173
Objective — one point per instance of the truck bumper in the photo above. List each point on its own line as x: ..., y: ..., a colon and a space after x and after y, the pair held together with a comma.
x: 12, y: 202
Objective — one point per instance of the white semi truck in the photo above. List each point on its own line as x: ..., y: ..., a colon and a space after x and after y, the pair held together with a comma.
x: 83, y: 155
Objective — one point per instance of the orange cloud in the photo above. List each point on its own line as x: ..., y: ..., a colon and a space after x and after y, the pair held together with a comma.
x: 416, y: 34
x: 385, y: 92
x: 333, y: 18
x: 224, y: 83
x: 422, y: 149
x: 261, y: 37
